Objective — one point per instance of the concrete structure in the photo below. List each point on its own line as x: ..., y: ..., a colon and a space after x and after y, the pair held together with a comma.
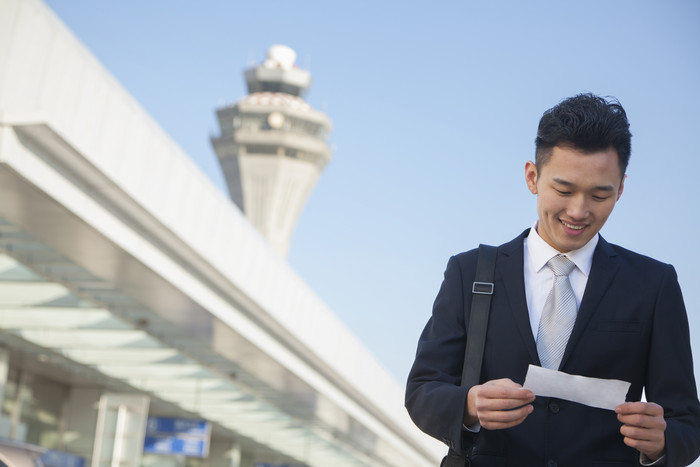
x: 272, y: 146
x: 129, y: 285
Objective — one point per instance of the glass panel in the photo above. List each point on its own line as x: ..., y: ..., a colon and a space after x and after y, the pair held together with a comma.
x: 41, y: 410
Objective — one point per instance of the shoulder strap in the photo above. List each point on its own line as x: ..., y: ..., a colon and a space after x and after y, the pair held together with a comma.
x: 482, y: 290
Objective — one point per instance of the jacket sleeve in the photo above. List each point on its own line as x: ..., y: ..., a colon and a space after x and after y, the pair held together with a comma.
x: 434, y: 398
x: 670, y: 379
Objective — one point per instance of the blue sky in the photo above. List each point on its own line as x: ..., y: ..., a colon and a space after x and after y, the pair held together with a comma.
x: 435, y: 107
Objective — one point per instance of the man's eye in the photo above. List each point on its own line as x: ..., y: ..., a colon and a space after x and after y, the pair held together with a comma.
x: 600, y: 198
x: 562, y: 192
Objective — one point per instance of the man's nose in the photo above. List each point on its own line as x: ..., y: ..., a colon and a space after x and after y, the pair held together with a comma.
x: 577, y: 207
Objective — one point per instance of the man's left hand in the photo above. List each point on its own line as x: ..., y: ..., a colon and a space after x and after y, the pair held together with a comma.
x: 643, y: 427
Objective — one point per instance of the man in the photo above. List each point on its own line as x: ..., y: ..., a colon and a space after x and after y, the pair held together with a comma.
x: 611, y: 314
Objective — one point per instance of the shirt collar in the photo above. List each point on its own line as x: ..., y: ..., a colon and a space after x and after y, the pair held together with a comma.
x: 540, y: 252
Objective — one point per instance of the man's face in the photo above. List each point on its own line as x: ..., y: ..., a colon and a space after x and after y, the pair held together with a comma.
x: 576, y: 192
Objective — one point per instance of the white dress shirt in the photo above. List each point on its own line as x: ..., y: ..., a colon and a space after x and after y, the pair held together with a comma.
x: 539, y: 278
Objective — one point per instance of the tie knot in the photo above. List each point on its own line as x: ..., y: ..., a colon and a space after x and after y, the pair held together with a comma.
x: 561, y: 265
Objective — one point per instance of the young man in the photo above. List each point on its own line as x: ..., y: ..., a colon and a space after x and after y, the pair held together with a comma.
x: 567, y: 300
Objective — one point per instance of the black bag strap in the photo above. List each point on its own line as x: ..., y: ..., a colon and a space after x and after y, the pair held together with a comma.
x: 482, y: 290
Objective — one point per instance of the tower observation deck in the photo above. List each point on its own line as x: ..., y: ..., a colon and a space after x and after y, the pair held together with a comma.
x: 272, y: 146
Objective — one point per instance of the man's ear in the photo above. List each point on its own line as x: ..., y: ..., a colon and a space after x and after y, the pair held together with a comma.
x: 531, y: 177
x: 622, y: 187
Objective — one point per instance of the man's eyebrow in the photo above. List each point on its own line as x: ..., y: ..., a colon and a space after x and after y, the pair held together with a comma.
x: 561, y: 181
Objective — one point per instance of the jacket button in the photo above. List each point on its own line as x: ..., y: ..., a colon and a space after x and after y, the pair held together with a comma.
x: 554, y: 408
x: 551, y: 463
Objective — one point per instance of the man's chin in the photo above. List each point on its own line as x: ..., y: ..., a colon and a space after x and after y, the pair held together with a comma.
x: 566, y: 245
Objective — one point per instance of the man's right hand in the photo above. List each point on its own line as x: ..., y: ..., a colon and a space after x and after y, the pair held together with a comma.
x: 498, y: 404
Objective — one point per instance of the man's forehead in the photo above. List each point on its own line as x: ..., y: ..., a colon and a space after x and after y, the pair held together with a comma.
x: 570, y: 155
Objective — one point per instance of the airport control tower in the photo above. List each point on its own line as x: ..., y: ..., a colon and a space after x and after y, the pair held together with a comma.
x: 272, y: 146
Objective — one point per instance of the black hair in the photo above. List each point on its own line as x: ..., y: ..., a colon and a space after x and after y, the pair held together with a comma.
x: 585, y: 122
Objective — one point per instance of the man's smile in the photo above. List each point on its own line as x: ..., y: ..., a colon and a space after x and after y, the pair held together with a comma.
x: 572, y: 226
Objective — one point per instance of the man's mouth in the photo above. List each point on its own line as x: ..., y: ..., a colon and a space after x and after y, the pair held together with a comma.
x: 571, y: 226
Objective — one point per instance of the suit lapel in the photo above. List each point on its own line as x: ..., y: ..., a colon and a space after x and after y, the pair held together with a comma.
x: 510, y: 270
x: 603, y: 271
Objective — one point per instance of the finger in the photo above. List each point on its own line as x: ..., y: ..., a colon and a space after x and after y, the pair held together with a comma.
x: 646, y: 415
x: 496, y: 420
x: 641, y: 434
x: 502, y: 401
x: 505, y: 388
x: 503, y: 392
x: 507, y: 382
x: 499, y: 405
x: 643, y: 421
x: 507, y: 415
x: 646, y: 408
x: 504, y: 419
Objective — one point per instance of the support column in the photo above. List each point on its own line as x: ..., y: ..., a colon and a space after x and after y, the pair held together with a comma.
x: 4, y: 370
x: 81, y: 419
x: 235, y: 455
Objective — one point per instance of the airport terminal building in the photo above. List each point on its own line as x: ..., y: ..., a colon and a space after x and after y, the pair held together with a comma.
x: 145, y: 317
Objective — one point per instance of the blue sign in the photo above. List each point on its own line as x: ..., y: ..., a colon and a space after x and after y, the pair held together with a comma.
x: 53, y: 458
x: 176, y: 426
x: 176, y: 436
x: 165, y: 445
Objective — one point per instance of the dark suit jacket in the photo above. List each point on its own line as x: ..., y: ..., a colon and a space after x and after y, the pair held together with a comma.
x: 631, y: 326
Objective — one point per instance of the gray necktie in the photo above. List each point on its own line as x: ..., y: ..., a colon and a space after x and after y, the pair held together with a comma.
x: 558, y: 315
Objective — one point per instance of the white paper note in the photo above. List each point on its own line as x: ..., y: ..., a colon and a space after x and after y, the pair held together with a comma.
x: 596, y: 392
